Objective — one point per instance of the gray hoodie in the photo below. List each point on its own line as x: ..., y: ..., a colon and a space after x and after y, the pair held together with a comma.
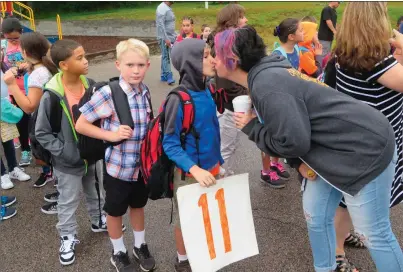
x: 65, y: 154
x: 345, y: 141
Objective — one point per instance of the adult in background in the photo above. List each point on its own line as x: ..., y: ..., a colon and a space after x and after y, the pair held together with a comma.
x: 327, y: 28
x: 165, y: 21
x: 372, y: 76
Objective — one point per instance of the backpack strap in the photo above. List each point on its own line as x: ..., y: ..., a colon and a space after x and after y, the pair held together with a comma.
x: 119, y: 97
x: 281, y: 50
x: 303, y: 49
x: 189, y: 113
x: 55, y: 118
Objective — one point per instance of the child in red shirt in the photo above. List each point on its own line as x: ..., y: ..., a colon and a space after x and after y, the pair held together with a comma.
x: 187, y: 30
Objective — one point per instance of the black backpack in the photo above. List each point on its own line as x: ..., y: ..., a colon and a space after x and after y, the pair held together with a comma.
x: 92, y: 149
x: 38, y: 151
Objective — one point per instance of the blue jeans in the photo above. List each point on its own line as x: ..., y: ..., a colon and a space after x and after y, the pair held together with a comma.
x: 165, y: 59
x: 369, y: 211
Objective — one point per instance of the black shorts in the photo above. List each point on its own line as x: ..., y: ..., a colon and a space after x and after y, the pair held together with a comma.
x: 121, y: 194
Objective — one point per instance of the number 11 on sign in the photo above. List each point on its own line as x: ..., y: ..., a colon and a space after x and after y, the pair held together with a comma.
x: 203, y: 203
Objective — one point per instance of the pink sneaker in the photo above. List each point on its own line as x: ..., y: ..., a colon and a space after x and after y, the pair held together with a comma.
x: 280, y: 170
x: 272, y: 179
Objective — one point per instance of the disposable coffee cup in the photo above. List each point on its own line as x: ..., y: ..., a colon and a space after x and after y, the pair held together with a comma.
x: 242, y: 104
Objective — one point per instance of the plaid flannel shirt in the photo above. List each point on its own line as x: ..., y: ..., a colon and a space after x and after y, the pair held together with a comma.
x: 122, y: 161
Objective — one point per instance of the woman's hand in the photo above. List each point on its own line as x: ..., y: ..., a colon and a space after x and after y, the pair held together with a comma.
x: 306, y: 172
x: 242, y: 119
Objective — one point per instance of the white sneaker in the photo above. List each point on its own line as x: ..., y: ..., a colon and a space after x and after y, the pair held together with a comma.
x: 19, y: 175
x: 6, y: 182
x: 67, y: 249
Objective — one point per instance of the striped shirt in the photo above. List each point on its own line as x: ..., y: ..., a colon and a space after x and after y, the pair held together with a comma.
x: 365, y: 87
x: 122, y: 161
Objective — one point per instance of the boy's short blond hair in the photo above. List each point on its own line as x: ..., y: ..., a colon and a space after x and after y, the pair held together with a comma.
x: 134, y: 45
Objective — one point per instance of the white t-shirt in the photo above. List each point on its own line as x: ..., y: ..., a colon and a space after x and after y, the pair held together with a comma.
x: 39, y: 77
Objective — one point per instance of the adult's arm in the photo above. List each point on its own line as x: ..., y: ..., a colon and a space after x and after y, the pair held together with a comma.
x: 284, y: 133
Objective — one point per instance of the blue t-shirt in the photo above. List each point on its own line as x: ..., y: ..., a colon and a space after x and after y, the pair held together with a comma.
x: 401, y: 28
x: 293, y: 58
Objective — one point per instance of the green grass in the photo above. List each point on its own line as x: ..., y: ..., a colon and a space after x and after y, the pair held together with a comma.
x: 264, y: 16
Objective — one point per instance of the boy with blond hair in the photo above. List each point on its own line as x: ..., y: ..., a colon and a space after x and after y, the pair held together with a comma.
x: 123, y: 181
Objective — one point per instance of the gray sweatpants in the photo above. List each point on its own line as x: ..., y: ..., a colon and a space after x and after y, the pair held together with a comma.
x: 230, y: 136
x: 69, y: 188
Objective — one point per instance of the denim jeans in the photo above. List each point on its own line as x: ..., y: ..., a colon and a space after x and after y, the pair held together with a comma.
x: 9, y: 152
x: 165, y: 59
x: 369, y: 210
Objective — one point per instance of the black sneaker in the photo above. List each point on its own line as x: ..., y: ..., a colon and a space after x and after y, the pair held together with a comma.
x: 272, y: 179
x: 52, y: 197
x: 6, y: 201
x: 280, y: 170
x: 67, y: 249
x: 143, y: 256
x: 43, y: 180
x: 7, y: 212
x: 50, y: 208
x: 121, y: 262
x: 103, y: 227
x: 183, y: 266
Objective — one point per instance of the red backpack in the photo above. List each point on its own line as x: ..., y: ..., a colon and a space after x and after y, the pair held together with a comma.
x: 156, y: 167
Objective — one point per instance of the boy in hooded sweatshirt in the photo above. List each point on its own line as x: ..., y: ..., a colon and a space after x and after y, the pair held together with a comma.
x: 193, y: 61
x: 310, y: 48
x: 72, y: 172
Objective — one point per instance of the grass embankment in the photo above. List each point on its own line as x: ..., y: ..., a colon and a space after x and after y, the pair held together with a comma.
x: 264, y: 16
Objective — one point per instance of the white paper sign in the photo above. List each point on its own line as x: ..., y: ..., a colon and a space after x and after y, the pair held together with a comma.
x: 217, y: 223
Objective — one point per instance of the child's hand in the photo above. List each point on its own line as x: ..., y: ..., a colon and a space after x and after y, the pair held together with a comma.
x: 203, y: 177
x: 318, y: 50
x: 306, y: 172
x: 9, y: 76
x: 124, y: 132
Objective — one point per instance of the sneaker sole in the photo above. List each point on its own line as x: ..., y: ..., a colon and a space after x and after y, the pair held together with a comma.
x: 39, y: 186
x: 22, y: 180
x: 9, y: 216
x: 24, y: 164
x: 128, y: 269
x: 272, y: 186
x: 105, y: 230
x: 136, y: 258
x: 69, y: 262
x: 49, y: 201
x: 10, y: 203
x: 48, y: 212
x: 7, y: 188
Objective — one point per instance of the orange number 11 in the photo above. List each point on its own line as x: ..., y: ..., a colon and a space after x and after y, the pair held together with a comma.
x: 203, y: 203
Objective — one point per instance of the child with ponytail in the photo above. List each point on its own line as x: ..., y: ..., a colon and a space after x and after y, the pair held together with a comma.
x: 35, y: 48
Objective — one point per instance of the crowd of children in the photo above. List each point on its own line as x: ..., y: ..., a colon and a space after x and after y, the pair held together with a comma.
x: 41, y: 82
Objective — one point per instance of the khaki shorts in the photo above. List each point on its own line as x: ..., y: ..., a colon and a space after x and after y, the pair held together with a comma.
x: 178, y: 182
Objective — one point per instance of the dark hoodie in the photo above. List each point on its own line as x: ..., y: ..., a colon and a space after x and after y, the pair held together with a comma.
x: 187, y: 58
x: 345, y: 141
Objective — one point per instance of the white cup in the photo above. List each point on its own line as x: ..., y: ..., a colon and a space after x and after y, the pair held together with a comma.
x: 242, y: 104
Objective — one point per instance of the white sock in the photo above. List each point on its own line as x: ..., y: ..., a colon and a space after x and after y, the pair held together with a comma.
x: 182, y: 258
x: 118, y: 245
x: 139, y: 238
